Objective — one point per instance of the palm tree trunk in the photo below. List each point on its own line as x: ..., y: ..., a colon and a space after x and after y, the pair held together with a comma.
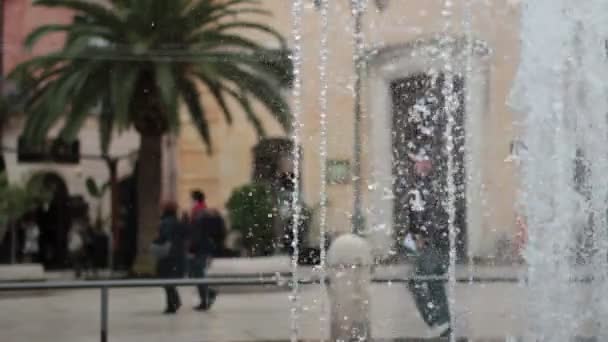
x: 148, y: 200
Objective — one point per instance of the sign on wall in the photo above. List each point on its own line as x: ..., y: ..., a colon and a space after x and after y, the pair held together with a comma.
x: 338, y: 171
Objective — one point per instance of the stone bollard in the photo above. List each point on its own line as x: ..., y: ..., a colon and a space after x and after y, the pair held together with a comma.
x: 350, y: 274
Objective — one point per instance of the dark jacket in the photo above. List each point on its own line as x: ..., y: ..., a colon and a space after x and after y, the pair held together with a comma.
x: 207, y: 233
x: 173, y: 231
x: 428, y: 216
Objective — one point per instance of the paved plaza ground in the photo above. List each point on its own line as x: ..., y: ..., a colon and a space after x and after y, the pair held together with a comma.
x: 489, y: 303
x: 485, y: 311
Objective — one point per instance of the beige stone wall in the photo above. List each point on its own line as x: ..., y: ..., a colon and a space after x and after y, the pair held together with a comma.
x: 494, y: 22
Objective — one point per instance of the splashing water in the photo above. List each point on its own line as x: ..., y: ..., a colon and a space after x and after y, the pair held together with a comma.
x: 451, y: 104
x: 296, y: 15
x: 323, y: 58
x: 468, y: 31
x: 560, y: 87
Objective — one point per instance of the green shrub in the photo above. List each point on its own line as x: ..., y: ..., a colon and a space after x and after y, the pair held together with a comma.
x: 16, y: 200
x: 251, y: 212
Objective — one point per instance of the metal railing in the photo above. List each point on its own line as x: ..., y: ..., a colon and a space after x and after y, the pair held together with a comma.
x: 105, y: 285
x: 278, y: 280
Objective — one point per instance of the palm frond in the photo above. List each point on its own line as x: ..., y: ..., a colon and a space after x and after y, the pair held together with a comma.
x: 264, y: 91
x: 243, y: 99
x: 72, y: 29
x: 165, y: 82
x: 217, y: 89
x: 171, y: 45
x: 210, y: 39
x: 190, y: 95
x: 106, y: 124
x: 250, y: 25
x: 99, y: 14
x: 44, y: 62
x: 205, y: 11
x: 49, y: 108
x: 88, y: 97
x: 275, y: 65
x: 212, y: 20
x: 123, y: 77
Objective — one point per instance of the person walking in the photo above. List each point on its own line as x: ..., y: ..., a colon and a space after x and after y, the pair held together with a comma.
x: 428, y: 230
x: 79, y: 245
x: 199, y: 203
x: 32, y: 233
x: 172, y: 238
x: 202, y: 247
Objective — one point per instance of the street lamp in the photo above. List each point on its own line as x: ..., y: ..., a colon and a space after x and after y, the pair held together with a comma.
x: 357, y: 10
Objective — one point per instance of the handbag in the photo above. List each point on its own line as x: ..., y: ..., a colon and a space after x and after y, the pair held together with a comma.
x: 410, y: 244
x: 160, y: 250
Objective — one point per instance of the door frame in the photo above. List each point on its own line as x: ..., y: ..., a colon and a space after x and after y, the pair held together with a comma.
x: 399, y: 61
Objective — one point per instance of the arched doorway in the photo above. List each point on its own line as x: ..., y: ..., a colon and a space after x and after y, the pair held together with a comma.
x: 54, y: 221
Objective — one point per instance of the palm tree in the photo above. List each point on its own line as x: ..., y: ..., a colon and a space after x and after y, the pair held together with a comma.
x: 138, y: 60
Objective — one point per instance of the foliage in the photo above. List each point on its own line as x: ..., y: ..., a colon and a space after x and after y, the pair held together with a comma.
x: 251, y: 212
x: 137, y: 60
x: 98, y: 191
x: 16, y: 200
x: 134, y: 63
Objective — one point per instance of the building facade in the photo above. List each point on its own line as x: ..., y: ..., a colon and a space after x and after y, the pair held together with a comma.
x: 400, y: 41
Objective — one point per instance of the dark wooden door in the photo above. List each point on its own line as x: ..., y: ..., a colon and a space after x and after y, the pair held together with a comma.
x: 420, y: 122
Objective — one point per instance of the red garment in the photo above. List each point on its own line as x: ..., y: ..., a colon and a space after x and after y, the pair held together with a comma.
x: 197, y: 209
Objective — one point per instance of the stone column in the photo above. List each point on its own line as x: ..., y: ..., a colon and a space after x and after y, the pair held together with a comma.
x: 350, y: 262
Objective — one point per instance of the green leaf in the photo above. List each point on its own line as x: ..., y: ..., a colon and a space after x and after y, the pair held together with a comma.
x: 240, y: 25
x: 52, y: 106
x: 105, y: 187
x: 268, y: 94
x: 123, y: 78
x: 253, y: 119
x: 100, y: 14
x: 273, y: 65
x: 73, y: 29
x: 92, y: 187
x: 82, y: 105
x: 106, y: 124
x: 42, y: 31
x: 144, y: 36
x: 168, y: 91
x: 191, y: 97
x: 217, y: 90
x: 210, y: 39
x: 205, y: 11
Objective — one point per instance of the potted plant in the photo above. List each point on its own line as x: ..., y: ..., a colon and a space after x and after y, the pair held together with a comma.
x: 251, y: 213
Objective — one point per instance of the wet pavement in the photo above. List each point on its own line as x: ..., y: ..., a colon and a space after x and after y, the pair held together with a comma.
x: 484, y: 312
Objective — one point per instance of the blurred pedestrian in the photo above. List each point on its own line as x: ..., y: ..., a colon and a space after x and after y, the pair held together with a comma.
x: 171, y: 263
x: 205, y: 226
x: 79, y: 244
x: 427, y: 239
x: 31, y: 247
x: 198, y: 203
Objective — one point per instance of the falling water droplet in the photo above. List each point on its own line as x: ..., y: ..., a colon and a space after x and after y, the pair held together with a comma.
x: 323, y: 153
x: 296, y: 17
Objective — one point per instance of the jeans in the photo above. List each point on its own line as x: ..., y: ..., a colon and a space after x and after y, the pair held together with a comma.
x: 197, y: 268
x: 430, y: 295
x: 173, y: 300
